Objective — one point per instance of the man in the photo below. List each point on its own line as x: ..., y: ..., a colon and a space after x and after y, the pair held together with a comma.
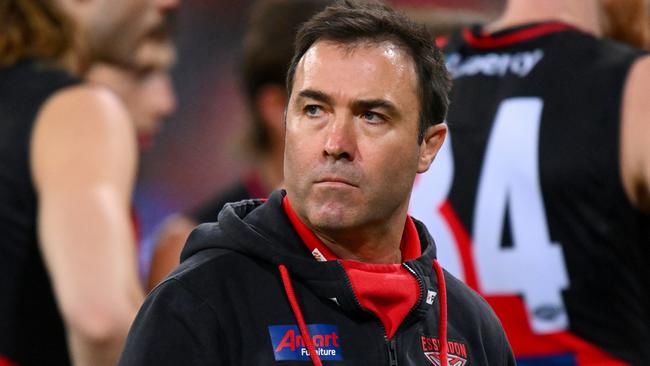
x: 267, y: 50
x: 333, y: 269
x: 148, y: 95
x: 67, y: 261
x: 539, y: 199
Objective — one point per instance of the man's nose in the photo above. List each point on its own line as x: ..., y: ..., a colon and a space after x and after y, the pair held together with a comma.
x: 341, y: 141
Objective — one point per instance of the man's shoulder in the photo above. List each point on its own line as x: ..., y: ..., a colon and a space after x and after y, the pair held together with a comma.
x: 214, y: 264
x: 469, y: 304
x: 208, y: 270
x: 470, y: 314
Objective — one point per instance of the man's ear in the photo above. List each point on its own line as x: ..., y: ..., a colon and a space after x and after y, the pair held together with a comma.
x: 434, y: 136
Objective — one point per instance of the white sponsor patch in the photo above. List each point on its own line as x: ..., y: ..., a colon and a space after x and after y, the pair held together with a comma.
x: 494, y: 64
x: 431, y: 295
x: 318, y: 255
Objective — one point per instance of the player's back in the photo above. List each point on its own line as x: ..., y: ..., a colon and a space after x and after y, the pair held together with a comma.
x: 31, y: 329
x: 531, y: 209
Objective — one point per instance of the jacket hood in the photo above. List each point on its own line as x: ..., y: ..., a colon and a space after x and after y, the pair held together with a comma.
x: 260, y: 230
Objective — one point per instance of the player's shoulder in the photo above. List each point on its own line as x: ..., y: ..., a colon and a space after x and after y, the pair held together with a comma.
x: 641, y: 69
x: 85, y: 103
x: 638, y: 80
x: 87, y: 116
x: 608, y: 51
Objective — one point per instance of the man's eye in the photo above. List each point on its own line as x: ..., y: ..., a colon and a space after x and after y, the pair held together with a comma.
x: 372, y: 117
x: 313, y: 110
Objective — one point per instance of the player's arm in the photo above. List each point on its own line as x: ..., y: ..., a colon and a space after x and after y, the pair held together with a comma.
x: 635, y: 135
x: 83, y: 160
x: 168, y: 246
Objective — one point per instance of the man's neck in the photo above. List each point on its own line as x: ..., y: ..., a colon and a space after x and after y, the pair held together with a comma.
x: 582, y: 14
x: 377, y: 244
x: 393, y: 240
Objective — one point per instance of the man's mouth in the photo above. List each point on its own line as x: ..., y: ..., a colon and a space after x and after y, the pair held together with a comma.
x: 335, y: 181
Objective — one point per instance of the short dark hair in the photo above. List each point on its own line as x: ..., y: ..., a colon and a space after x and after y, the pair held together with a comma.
x: 267, y: 51
x: 349, y: 22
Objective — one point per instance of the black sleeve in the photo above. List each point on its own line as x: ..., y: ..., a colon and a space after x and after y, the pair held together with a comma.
x: 508, y: 358
x: 209, y: 211
x: 496, y: 340
x: 173, y: 327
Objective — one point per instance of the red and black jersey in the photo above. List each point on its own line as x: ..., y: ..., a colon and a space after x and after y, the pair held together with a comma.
x: 249, y: 186
x: 525, y: 199
x: 31, y: 328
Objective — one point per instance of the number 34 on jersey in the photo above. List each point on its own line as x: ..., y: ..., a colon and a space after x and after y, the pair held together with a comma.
x: 532, y: 266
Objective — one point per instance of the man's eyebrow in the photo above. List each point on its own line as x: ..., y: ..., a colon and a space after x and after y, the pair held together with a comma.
x: 315, y: 95
x: 376, y: 103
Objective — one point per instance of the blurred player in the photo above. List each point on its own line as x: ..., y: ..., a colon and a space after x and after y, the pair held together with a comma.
x: 268, y: 46
x: 540, y: 198
x: 145, y: 89
x: 68, y: 157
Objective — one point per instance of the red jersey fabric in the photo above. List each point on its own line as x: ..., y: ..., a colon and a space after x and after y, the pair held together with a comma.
x: 388, y: 290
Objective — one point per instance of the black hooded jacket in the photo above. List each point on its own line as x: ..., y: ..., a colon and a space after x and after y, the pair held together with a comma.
x: 248, y: 292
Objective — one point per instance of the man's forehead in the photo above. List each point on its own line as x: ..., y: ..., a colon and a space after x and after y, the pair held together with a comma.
x: 391, y: 50
x: 369, y: 59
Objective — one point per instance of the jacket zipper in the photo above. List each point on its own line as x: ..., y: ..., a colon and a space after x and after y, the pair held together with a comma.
x: 422, y: 290
x: 392, y: 352
x: 390, y: 343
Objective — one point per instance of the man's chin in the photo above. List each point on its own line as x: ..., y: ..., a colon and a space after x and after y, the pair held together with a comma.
x: 332, y: 216
x: 331, y: 226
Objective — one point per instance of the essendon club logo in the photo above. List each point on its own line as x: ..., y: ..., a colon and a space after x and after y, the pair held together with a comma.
x: 456, y: 352
x: 289, y: 345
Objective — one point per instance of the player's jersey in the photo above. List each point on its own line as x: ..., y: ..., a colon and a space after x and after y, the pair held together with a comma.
x: 31, y: 328
x: 250, y: 186
x: 526, y: 202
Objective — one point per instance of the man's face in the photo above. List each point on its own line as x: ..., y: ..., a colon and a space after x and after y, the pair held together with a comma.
x: 145, y: 89
x: 149, y: 97
x: 116, y: 28
x: 351, y: 150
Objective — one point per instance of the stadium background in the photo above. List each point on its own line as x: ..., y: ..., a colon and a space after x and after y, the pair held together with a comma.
x: 196, y: 154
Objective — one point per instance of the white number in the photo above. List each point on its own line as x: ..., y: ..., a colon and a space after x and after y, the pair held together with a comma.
x: 533, y: 266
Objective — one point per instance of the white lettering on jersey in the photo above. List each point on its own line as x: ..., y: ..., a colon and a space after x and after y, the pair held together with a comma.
x: 533, y: 266
x: 494, y: 64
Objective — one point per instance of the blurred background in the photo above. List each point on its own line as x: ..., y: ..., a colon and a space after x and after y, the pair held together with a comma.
x: 196, y: 152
